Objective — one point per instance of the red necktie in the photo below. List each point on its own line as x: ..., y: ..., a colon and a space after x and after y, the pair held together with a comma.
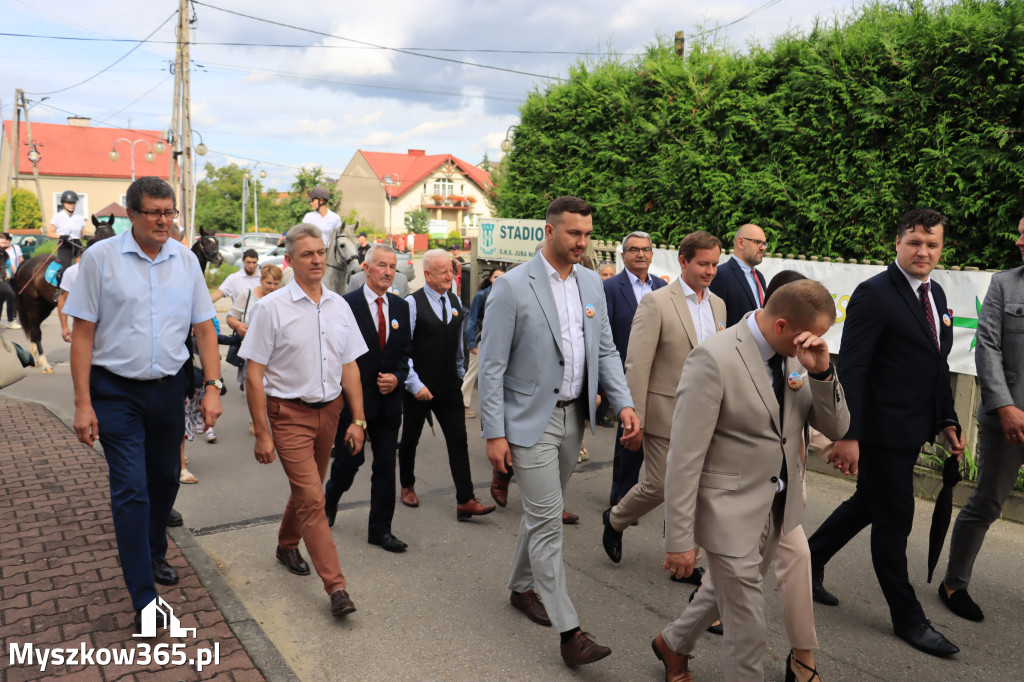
x: 922, y: 291
x: 757, y: 281
x: 382, y: 331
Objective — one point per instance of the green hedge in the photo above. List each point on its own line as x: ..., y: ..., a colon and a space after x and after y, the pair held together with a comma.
x: 824, y: 138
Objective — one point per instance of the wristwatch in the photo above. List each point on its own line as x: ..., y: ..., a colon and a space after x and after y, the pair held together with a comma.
x: 216, y: 383
x: 360, y: 423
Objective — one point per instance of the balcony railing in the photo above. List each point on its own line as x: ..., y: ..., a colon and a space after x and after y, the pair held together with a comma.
x: 437, y: 201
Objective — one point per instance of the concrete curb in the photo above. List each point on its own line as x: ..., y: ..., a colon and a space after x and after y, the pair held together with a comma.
x: 254, y: 640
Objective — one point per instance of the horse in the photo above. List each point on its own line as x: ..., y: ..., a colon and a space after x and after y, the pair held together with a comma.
x: 35, y: 298
x: 342, y: 258
x: 207, y: 250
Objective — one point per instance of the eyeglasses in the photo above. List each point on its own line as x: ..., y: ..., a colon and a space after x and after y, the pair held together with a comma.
x: 760, y: 243
x: 634, y: 250
x: 153, y: 215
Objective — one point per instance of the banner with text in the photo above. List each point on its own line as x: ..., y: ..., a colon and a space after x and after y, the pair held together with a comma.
x: 509, y: 240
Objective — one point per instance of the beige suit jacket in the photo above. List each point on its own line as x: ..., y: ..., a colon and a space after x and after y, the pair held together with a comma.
x: 663, y: 334
x: 727, y: 446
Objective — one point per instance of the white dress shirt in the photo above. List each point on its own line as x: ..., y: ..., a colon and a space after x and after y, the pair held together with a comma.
x: 371, y: 301
x: 915, y: 284
x: 70, y: 225
x: 69, y: 277
x: 640, y: 289
x: 570, y: 320
x: 436, y: 300
x: 767, y: 352
x: 238, y: 283
x: 700, y: 311
x: 302, y: 344
x: 327, y: 223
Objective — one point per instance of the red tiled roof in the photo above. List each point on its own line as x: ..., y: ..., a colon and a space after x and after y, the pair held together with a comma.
x: 80, y: 151
x: 415, y: 165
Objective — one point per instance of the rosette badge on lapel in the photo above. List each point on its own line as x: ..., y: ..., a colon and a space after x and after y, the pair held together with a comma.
x: 590, y: 310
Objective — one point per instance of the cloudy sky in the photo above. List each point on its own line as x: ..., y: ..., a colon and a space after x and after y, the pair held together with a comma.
x: 292, y: 84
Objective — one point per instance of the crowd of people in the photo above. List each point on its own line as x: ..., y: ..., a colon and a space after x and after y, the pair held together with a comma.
x: 719, y: 381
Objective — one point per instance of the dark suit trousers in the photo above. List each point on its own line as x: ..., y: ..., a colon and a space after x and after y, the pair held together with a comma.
x: 382, y: 435
x: 885, y: 500
x: 450, y: 415
x: 625, y: 468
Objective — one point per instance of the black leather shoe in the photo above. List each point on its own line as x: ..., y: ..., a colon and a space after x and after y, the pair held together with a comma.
x: 164, y: 573
x: 695, y: 578
x: 612, y: 539
x: 605, y: 422
x: 174, y: 520
x: 292, y: 560
x: 818, y: 591
x: 387, y: 542
x: 924, y: 637
x: 331, y: 509
x: 961, y: 604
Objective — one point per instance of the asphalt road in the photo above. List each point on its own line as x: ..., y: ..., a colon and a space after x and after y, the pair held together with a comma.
x: 440, y: 611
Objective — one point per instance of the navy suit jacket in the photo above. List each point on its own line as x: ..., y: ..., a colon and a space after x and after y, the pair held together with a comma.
x: 618, y: 293
x: 394, y: 359
x: 732, y: 285
x: 896, y: 379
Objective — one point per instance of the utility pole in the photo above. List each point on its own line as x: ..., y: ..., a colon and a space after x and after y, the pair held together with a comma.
x: 33, y: 154
x: 181, y: 117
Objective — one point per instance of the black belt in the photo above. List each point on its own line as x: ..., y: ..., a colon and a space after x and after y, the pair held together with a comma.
x: 300, y: 401
x: 104, y: 370
x: 566, y: 403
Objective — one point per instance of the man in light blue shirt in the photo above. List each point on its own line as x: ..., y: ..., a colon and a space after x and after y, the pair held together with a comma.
x: 135, y: 300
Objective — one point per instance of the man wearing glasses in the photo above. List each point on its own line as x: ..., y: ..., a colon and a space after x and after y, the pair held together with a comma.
x: 737, y: 281
x: 135, y: 299
x: 623, y: 293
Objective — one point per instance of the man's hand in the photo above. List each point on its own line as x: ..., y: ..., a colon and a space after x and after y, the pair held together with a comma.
x: 86, y: 425
x: 65, y: 333
x: 356, y: 435
x: 632, y: 433
x: 812, y: 352
x: 846, y: 456
x: 386, y: 383
x: 680, y: 564
x: 264, y: 448
x: 1012, y: 420
x: 242, y: 328
x: 211, y: 408
x: 473, y: 350
x: 957, y: 443
x: 424, y: 394
x: 500, y: 454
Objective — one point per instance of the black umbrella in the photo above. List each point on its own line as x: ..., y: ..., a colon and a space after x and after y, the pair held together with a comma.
x: 943, y: 510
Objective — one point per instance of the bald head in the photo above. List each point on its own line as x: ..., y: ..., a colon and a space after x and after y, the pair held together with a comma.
x: 750, y: 244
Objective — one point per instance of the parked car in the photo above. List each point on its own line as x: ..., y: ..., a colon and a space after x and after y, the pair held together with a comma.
x: 405, y: 265
x: 29, y: 243
x: 262, y: 242
x: 273, y: 257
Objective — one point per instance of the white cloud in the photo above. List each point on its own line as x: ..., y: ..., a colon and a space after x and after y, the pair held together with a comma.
x: 322, y: 127
x: 377, y: 139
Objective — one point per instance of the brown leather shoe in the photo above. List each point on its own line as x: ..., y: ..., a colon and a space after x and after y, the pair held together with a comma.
x: 293, y: 560
x: 529, y: 603
x: 570, y: 519
x: 472, y: 508
x: 582, y: 649
x: 499, y: 488
x: 341, y: 604
x: 677, y: 666
x: 409, y: 498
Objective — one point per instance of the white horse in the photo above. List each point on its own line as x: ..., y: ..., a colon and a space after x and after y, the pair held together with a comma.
x: 342, y: 258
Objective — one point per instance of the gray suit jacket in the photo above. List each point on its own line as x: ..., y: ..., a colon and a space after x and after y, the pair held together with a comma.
x: 727, y: 446
x: 999, y: 356
x: 399, y: 287
x: 521, y: 359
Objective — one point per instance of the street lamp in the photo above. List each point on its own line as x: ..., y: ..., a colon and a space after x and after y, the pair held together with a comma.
x: 159, y: 148
x: 507, y: 144
x: 389, y: 183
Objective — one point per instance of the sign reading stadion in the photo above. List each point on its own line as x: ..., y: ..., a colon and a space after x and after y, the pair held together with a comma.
x: 509, y: 240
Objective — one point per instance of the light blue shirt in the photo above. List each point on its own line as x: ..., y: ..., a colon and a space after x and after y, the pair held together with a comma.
x: 640, y: 289
x: 748, y: 273
x: 412, y: 382
x: 142, y: 307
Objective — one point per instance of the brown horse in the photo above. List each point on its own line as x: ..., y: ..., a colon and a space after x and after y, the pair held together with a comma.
x: 35, y: 298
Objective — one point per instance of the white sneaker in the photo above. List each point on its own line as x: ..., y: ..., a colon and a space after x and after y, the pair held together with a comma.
x: 13, y: 325
x: 211, y: 437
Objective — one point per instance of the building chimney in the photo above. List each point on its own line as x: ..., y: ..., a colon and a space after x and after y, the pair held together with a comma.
x: 417, y: 152
x: 79, y: 121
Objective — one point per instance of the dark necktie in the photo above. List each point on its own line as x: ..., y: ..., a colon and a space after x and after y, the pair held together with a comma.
x: 922, y: 291
x: 444, y: 312
x: 778, y: 383
x: 382, y: 331
x: 760, y: 290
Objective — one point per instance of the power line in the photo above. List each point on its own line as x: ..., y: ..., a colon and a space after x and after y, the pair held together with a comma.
x: 116, y: 61
x: 301, y: 46
x: 381, y: 47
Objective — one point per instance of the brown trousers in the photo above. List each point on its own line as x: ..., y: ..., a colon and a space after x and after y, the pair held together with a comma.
x: 303, y: 438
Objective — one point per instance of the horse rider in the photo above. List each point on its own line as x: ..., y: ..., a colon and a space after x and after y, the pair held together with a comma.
x: 320, y: 215
x: 67, y: 226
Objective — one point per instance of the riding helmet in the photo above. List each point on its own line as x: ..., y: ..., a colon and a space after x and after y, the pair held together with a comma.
x: 69, y: 197
x: 320, y: 193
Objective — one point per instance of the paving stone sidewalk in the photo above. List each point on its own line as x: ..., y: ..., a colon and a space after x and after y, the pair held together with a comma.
x: 60, y: 580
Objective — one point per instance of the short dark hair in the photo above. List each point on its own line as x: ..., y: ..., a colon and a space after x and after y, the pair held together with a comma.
x: 149, y: 186
x: 250, y: 253
x: 781, y: 279
x: 6, y: 235
x: 695, y: 241
x: 925, y: 217
x: 566, y: 204
x: 801, y: 303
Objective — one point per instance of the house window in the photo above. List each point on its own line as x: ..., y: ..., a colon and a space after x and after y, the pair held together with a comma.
x: 81, y: 208
x: 444, y: 187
